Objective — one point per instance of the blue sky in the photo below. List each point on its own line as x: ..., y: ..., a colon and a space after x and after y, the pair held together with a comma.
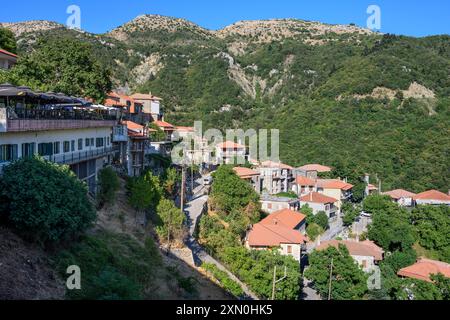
x: 409, y: 17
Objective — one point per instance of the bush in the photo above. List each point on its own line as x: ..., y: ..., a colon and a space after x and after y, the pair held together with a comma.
x: 109, y: 184
x: 44, y: 201
x: 313, y: 231
x: 227, y: 283
x: 321, y: 219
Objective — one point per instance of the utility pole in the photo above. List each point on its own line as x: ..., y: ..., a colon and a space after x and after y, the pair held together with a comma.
x: 275, y: 281
x: 183, y: 182
x: 331, y: 275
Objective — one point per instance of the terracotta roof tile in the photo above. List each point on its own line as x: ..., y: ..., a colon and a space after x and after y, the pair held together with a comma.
x: 355, y: 248
x: 432, y: 195
x: 287, y: 218
x: 424, y: 268
x: 304, y: 181
x: 316, y: 197
x: 230, y: 145
x: 274, y: 235
x: 399, y: 193
x: 315, y: 167
x: 245, y: 173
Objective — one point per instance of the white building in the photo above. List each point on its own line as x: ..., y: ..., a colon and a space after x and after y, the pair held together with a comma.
x: 271, y: 203
x: 432, y: 197
x: 402, y: 197
x: 228, y: 152
x: 319, y: 202
x: 7, y: 59
x: 276, y: 177
x: 83, y: 144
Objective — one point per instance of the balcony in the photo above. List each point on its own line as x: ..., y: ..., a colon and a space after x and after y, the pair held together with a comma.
x: 20, y: 120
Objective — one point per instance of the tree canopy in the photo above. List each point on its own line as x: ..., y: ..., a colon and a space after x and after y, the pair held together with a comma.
x: 7, y: 40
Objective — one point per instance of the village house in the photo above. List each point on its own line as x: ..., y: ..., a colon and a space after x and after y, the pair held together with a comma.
x: 311, y: 170
x: 319, y: 202
x: 151, y: 105
x: 249, y: 175
x: 283, y: 230
x: 227, y: 152
x: 7, y: 59
x: 270, y: 203
x: 366, y: 253
x: 62, y: 129
x: 276, y: 177
x: 303, y: 185
x: 424, y: 268
x: 402, y: 197
x: 335, y: 188
x: 432, y: 197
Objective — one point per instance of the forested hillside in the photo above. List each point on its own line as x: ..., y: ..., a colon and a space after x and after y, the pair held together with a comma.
x: 340, y: 95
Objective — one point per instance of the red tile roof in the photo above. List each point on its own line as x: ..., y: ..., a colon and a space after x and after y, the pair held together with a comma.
x: 133, y: 126
x: 399, y: 193
x: 8, y: 53
x: 316, y: 197
x: 272, y: 164
x: 245, y: 173
x: 164, y: 125
x: 230, y: 145
x: 356, y: 248
x: 185, y: 129
x: 143, y: 96
x: 372, y: 187
x: 334, y: 184
x: 287, y: 218
x: 432, y: 195
x: 270, y: 235
x: 315, y: 167
x: 304, y: 181
x: 424, y: 268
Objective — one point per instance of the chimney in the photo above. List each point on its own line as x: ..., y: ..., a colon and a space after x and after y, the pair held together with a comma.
x: 310, y: 197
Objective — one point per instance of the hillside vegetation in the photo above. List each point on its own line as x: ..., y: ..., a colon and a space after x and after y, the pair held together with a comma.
x: 341, y: 95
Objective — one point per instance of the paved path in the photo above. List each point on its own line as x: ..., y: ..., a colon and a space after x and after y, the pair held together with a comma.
x: 194, y: 209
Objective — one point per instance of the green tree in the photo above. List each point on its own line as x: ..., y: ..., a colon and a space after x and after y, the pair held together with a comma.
x: 308, y: 212
x: 171, y: 178
x: 171, y: 221
x: 158, y: 134
x: 432, y: 224
x: 321, y: 219
x: 109, y: 184
x: 7, y: 40
x: 376, y: 203
x: 144, y: 192
x: 313, y: 230
x: 63, y: 65
x: 350, y: 213
x: 45, y: 201
x: 348, y: 280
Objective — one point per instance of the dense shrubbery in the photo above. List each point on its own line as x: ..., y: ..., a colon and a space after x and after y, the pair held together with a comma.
x: 45, y: 201
x: 113, y: 266
x: 227, y: 283
x: 170, y: 222
x: 349, y: 282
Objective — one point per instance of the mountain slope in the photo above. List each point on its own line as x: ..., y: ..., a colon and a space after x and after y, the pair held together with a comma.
x: 342, y: 95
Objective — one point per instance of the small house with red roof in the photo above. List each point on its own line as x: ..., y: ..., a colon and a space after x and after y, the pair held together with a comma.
x: 402, y: 197
x: 7, y: 59
x: 283, y: 231
x: 366, y: 253
x: 423, y: 269
x: 249, y: 175
x: 319, y: 202
x: 432, y: 197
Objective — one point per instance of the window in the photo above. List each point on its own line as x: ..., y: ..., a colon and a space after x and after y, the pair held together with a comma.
x: 8, y: 152
x: 80, y: 144
x: 92, y: 142
x: 108, y: 141
x: 289, y: 249
x: 72, y: 144
x: 45, y: 149
x: 56, y: 147
x: 87, y: 142
x: 364, y: 264
x: 28, y: 150
x: 66, y: 146
x: 99, y: 142
x: 269, y: 206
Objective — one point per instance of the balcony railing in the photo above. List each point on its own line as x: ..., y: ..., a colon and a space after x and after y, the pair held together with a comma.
x: 80, y: 156
x: 59, y: 114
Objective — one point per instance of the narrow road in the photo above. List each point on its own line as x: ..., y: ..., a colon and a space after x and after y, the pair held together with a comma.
x: 194, y: 209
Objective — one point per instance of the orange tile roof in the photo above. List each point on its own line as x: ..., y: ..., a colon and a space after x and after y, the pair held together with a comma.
x: 165, y: 125
x: 285, y: 217
x: 356, y: 248
x: 316, y: 197
x: 432, y: 195
x: 272, y: 164
x: 245, y: 173
x: 230, y: 145
x: 304, y: 181
x: 273, y: 236
x: 372, y: 187
x: 315, y: 167
x: 187, y: 129
x: 8, y: 53
x: 334, y: 184
x: 399, y: 193
x: 113, y: 103
x: 143, y: 96
x: 424, y: 268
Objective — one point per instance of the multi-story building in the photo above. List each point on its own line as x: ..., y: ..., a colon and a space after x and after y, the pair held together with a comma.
x: 403, y: 197
x: 276, y: 177
x: 252, y: 176
x: 319, y: 202
x: 271, y: 203
x: 151, y: 105
x: 228, y: 152
x: 61, y: 129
